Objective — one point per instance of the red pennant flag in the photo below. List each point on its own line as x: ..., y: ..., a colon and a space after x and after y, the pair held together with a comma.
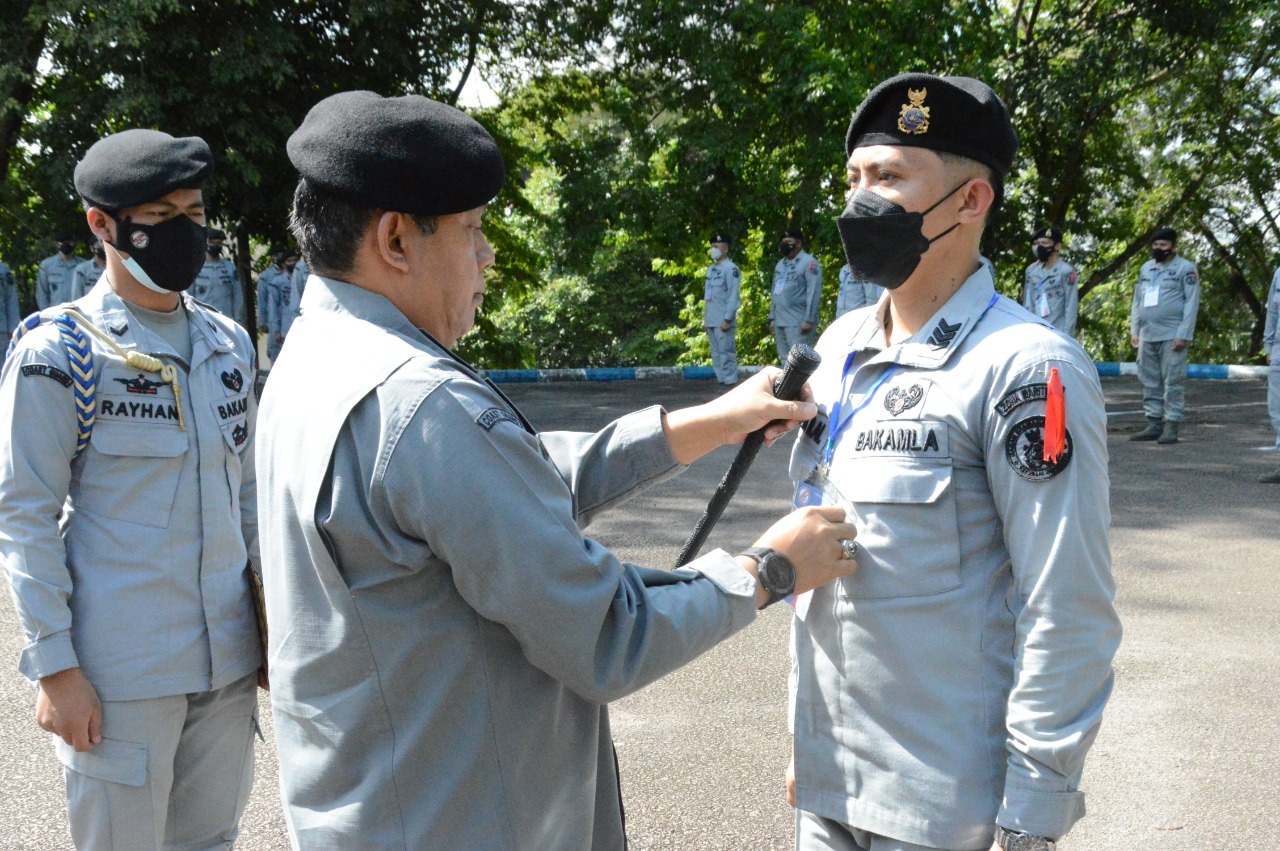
x: 1055, y: 419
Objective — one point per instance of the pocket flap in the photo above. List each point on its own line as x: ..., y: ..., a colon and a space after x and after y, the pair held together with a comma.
x: 888, y: 482
x: 112, y: 760
x: 138, y: 441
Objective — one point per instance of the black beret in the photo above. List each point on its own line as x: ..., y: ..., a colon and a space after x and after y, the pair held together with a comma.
x: 1051, y: 232
x: 136, y: 166
x: 793, y: 233
x: 1165, y: 233
x: 722, y: 237
x: 214, y: 233
x: 276, y: 249
x: 406, y: 154
x: 955, y: 115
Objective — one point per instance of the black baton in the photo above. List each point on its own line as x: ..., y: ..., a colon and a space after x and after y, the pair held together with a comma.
x: 802, y: 360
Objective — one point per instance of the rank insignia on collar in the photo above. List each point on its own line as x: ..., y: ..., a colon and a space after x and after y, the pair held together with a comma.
x: 914, y: 118
x: 898, y: 400
x: 118, y: 330
x: 233, y: 380
x: 943, y: 334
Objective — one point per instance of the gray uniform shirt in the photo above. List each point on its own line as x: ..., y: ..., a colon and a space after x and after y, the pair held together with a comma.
x: 853, y: 293
x: 722, y: 294
x: 959, y: 676
x: 297, y: 284
x: 1051, y: 293
x: 443, y: 637
x: 1271, y: 331
x: 145, y: 587
x: 55, y: 281
x: 218, y: 286
x: 797, y: 291
x: 10, y: 313
x: 1176, y: 285
x: 86, y: 275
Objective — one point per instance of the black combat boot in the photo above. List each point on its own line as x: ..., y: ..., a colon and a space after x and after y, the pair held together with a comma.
x: 1151, y: 432
x: 1170, y: 433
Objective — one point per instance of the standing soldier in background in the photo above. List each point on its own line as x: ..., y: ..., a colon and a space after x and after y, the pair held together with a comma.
x: 1049, y: 287
x: 1161, y: 325
x: 269, y: 291
x: 136, y: 607
x: 10, y: 313
x: 297, y: 283
x: 291, y: 263
x: 854, y: 293
x: 88, y: 272
x: 217, y: 284
x: 1271, y: 345
x: 722, y: 295
x: 55, y: 282
x: 797, y: 295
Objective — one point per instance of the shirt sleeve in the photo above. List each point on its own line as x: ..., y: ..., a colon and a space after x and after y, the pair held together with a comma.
x: 1273, y: 305
x: 733, y: 294
x: 1056, y: 529
x: 478, y: 490
x: 42, y: 287
x: 1191, y: 305
x: 1026, y: 290
x: 249, y: 472
x: 37, y: 444
x: 1134, y: 308
x: 1072, y: 298
x: 813, y: 276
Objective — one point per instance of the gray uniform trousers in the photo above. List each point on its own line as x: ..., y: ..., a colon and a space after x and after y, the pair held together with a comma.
x: 190, y: 751
x: 724, y: 352
x: 1163, y: 373
x: 815, y: 833
x: 1273, y: 395
x: 787, y: 336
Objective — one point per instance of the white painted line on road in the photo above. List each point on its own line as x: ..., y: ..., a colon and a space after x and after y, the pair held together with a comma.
x: 1196, y: 408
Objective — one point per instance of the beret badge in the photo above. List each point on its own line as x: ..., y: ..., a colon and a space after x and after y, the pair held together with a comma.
x: 914, y: 117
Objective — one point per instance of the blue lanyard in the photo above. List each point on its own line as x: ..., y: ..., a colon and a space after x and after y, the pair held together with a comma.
x: 839, y: 422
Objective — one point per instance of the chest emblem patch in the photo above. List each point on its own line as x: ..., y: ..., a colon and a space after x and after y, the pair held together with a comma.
x: 233, y: 380
x: 899, y: 399
x: 943, y: 334
x: 141, y: 385
x: 240, y: 434
x: 1024, y: 448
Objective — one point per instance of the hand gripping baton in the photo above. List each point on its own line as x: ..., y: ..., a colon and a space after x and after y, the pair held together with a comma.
x: 801, y: 362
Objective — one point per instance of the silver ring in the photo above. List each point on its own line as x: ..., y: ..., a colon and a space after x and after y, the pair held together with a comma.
x: 850, y: 548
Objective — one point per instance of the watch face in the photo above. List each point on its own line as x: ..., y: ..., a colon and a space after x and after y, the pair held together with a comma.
x: 778, y: 574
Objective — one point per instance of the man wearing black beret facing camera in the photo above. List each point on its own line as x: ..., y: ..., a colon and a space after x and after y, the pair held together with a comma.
x: 443, y: 638
x: 945, y: 694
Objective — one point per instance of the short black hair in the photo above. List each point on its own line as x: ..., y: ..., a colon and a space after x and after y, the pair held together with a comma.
x: 329, y: 229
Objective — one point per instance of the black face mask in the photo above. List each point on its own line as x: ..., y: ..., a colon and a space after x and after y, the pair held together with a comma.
x: 882, y: 241
x: 1160, y: 254
x: 785, y: 248
x: 169, y: 255
x: 100, y: 251
x: 66, y: 247
x: 214, y: 250
x: 1043, y: 252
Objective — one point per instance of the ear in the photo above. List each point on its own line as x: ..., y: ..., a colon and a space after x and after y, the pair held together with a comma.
x: 975, y: 199
x: 389, y: 237
x: 102, y: 225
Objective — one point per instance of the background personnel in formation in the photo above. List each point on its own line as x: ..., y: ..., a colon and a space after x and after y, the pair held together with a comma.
x: 945, y: 694
x: 10, y: 313
x: 273, y: 285
x: 217, y: 283
x: 431, y: 596
x: 297, y: 285
x: 55, y: 280
x: 797, y: 295
x: 137, y: 612
x: 1049, y: 288
x: 853, y: 293
x: 88, y: 272
x: 722, y: 294
x: 1271, y: 345
x: 1162, y: 322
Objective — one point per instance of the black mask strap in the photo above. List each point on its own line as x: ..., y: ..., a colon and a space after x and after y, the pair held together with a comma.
x: 963, y: 184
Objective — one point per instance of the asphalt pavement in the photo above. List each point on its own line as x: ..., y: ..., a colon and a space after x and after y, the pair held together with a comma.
x: 1188, y: 754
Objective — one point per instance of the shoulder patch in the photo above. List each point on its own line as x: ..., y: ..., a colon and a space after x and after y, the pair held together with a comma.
x: 47, y: 370
x: 1024, y: 447
x: 493, y: 416
x: 736, y: 273
x: 1015, y: 399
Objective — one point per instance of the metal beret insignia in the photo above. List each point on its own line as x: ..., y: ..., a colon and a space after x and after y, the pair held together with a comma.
x: 914, y: 117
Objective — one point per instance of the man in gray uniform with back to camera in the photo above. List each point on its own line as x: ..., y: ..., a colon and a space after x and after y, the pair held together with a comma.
x: 134, y: 404
x: 443, y: 637
x: 722, y: 294
x: 1049, y: 287
x: 217, y: 283
x: 946, y: 694
x: 1161, y: 325
x: 797, y: 295
x: 55, y: 280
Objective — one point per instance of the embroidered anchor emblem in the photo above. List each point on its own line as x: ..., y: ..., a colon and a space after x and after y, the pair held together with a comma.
x: 233, y: 380
x: 943, y: 334
x: 898, y: 400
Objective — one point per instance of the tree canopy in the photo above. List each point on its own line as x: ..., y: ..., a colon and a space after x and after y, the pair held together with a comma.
x: 633, y: 129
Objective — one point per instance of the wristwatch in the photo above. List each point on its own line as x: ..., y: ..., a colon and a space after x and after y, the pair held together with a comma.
x: 1011, y: 840
x: 776, y: 573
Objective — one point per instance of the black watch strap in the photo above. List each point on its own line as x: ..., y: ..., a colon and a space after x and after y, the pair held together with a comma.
x: 776, y: 587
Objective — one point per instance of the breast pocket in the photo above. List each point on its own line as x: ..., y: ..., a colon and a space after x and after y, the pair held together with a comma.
x: 906, y: 517
x: 131, y: 472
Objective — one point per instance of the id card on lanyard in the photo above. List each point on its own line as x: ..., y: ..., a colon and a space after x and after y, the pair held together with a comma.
x: 1151, y: 297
